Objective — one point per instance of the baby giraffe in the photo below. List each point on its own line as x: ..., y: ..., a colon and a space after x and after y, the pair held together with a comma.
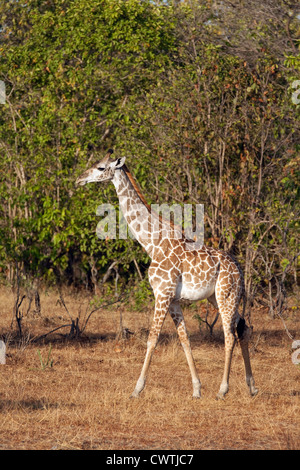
x: 178, y: 271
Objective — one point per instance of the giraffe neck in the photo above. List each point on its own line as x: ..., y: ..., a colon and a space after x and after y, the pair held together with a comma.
x: 146, y: 226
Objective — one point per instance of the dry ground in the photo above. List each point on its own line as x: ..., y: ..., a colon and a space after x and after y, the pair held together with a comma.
x: 82, y: 401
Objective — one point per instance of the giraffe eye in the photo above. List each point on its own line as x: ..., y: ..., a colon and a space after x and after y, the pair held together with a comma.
x: 101, y: 168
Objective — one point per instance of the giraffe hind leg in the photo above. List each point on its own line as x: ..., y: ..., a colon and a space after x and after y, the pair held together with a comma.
x: 227, y: 301
x: 243, y: 332
x: 229, y: 346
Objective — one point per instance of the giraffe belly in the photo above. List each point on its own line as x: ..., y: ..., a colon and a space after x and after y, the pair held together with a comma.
x: 188, y: 291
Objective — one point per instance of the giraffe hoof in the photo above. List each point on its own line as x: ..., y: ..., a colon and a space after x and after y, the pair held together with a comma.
x: 220, y: 396
x: 135, y: 395
x: 222, y: 391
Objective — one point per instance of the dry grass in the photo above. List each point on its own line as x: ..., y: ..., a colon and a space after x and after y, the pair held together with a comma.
x: 82, y: 402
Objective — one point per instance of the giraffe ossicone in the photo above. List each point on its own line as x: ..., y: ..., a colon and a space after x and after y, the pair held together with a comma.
x: 178, y: 271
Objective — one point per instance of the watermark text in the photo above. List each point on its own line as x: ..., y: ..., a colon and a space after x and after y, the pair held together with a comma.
x: 2, y: 92
x: 152, y: 223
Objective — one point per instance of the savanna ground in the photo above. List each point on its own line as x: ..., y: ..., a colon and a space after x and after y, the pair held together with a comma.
x: 82, y: 400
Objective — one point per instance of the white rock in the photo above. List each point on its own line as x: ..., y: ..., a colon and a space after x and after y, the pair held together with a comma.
x: 2, y: 352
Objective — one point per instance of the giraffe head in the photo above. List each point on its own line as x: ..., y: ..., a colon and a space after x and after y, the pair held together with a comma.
x: 101, y: 171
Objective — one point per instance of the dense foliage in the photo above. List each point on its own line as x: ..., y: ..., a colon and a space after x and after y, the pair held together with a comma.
x: 196, y: 94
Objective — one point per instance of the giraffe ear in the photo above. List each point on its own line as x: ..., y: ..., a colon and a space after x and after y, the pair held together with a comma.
x: 118, y: 163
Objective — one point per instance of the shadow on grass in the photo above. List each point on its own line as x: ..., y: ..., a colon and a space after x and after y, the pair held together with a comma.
x: 197, y: 338
x: 29, y: 405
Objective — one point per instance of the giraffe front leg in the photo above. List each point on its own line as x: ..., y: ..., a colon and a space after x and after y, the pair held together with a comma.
x: 161, y: 307
x: 142, y: 378
x: 177, y: 316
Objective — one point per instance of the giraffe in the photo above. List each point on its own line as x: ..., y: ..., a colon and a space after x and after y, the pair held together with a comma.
x: 177, y: 273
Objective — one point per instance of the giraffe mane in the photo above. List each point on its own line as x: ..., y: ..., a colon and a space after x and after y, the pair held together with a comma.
x: 143, y: 200
x: 136, y: 187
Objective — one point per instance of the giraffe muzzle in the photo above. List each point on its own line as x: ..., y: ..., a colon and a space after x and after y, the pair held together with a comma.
x: 80, y: 182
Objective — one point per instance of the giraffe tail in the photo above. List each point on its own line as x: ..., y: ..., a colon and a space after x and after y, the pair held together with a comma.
x: 240, y: 327
x: 243, y: 325
x: 246, y: 315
